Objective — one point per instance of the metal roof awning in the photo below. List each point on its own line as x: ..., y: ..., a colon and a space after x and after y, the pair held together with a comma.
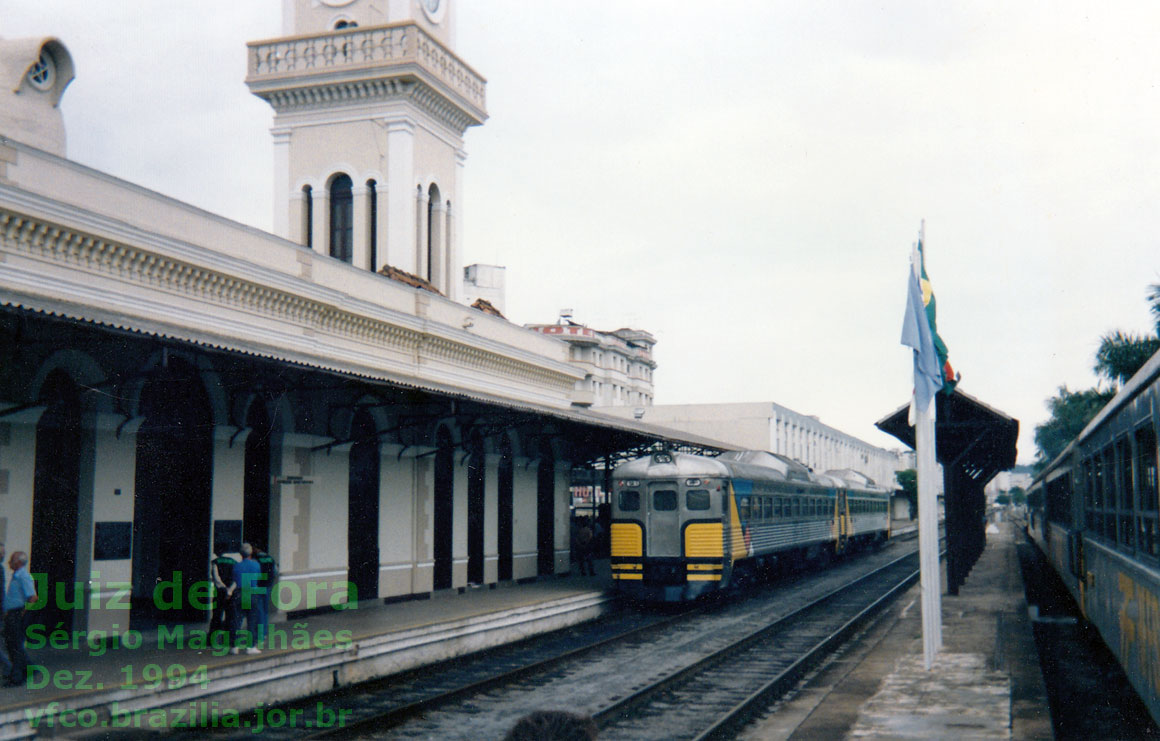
x: 968, y: 434
x: 973, y: 442
x: 590, y: 435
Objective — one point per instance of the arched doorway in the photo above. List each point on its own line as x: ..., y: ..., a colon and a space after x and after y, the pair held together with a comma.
x: 55, y: 498
x: 256, y: 485
x: 171, y: 502
x: 444, y: 508
x: 476, y: 468
x: 546, y: 510
x: 505, y: 521
x: 362, y: 531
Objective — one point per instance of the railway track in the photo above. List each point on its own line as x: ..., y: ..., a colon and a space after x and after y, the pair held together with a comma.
x: 619, y: 669
x: 718, y: 694
x: 382, y: 704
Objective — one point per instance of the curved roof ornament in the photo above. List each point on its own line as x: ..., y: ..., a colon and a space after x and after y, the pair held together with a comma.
x: 35, y: 73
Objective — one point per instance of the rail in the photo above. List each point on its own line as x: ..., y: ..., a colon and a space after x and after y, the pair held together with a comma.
x: 614, y: 718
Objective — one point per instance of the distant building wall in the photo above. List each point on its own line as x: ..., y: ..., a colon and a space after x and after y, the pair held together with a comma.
x: 618, y: 365
x: 485, y: 282
x: 772, y: 427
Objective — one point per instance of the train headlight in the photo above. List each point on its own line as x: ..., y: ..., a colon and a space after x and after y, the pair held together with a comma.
x: 692, y: 482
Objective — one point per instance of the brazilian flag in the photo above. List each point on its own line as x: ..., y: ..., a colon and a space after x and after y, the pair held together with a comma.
x: 949, y: 377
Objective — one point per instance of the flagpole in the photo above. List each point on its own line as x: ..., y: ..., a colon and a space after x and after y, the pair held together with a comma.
x: 929, y: 569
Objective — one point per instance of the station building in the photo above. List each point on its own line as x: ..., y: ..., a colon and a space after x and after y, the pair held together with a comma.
x: 173, y: 379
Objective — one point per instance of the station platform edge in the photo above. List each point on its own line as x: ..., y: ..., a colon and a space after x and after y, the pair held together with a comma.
x: 170, y: 673
x: 985, y: 682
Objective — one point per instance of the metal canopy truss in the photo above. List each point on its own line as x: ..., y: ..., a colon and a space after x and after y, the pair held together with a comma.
x: 973, y: 442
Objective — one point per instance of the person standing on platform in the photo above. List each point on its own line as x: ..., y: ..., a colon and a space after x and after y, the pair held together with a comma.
x: 225, y: 607
x: 269, y: 577
x: 584, y: 548
x: 20, y: 593
x: 249, y: 577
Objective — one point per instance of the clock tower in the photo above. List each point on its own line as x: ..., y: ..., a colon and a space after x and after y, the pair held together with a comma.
x: 370, y: 107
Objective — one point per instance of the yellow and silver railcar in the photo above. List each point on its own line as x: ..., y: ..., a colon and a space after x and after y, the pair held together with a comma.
x: 686, y: 525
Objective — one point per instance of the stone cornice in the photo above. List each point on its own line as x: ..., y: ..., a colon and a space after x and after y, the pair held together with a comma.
x: 84, y: 275
x: 326, y: 96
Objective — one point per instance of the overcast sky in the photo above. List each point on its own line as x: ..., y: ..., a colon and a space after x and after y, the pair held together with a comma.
x: 744, y: 180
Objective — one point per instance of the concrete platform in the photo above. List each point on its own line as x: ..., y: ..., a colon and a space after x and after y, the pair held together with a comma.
x: 985, y: 683
x: 170, y: 674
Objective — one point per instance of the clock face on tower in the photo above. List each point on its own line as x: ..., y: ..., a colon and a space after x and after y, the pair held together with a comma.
x: 434, y: 9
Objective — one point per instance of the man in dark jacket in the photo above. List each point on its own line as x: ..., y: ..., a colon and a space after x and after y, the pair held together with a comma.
x: 225, y: 605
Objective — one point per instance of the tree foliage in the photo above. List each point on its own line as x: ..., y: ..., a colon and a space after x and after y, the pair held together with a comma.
x: 1121, y: 354
x: 908, y: 480
x: 1018, y: 495
x: 1070, y: 413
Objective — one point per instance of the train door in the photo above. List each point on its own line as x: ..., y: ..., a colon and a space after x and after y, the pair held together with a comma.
x: 663, y: 521
x: 842, y: 521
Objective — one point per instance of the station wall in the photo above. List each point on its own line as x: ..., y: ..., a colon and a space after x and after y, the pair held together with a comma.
x: 310, y: 483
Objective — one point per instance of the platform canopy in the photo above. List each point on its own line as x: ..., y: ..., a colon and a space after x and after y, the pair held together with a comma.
x: 970, y: 435
x: 973, y: 442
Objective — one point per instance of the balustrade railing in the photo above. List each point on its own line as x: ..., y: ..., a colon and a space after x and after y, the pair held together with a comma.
x: 357, y: 48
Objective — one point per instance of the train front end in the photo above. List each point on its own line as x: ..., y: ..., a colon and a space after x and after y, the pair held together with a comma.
x: 668, y: 533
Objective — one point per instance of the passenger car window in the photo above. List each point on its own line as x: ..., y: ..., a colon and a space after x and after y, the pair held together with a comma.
x: 743, y: 507
x: 696, y: 499
x: 664, y: 501
x: 629, y: 501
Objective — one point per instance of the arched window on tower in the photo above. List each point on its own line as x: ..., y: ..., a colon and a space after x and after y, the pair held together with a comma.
x: 373, y: 209
x: 308, y: 215
x: 341, y: 218
x: 434, y: 234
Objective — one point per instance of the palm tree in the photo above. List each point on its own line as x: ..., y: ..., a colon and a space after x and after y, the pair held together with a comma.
x: 1154, y: 303
x: 1121, y: 354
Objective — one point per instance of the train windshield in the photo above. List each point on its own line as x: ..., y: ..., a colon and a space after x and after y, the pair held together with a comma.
x: 628, y: 501
x: 696, y: 499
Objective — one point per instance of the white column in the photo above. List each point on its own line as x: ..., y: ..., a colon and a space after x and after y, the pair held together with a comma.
x: 454, y: 227
x: 283, y: 213
x: 361, y: 232
x: 297, y: 224
x: 380, y: 226
x: 452, y: 277
x: 397, y: 199
x: 321, y: 216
